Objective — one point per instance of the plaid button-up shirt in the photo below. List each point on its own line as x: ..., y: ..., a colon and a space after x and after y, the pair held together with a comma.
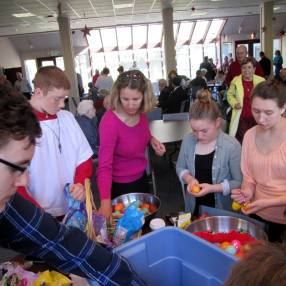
x: 29, y: 230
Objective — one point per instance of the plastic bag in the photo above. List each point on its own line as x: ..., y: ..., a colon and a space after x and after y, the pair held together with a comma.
x: 131, y: 222
x: 76, y: 215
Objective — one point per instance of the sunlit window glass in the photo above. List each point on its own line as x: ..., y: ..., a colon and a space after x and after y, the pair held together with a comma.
x: 213, y: 32
x: 108, y: 36
x: 139, y: 36
x: 199, y: 31
x: 124, y: 37
x: 184, y: 33
x: 94, y: 41
x: 154, y: 35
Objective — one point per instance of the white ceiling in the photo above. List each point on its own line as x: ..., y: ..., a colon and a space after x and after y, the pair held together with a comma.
x: 99, y: 13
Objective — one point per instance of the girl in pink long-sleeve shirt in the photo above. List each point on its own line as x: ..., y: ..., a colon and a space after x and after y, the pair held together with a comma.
x: 263, y: 161
x: 124, y: 135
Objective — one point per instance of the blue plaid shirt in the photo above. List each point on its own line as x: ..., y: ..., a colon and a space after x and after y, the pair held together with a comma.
x: 27, y: 229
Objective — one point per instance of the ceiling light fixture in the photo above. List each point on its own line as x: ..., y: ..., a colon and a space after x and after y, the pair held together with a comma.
x: 199, y: 14
x: 122, y: 6
x: 23, y: 15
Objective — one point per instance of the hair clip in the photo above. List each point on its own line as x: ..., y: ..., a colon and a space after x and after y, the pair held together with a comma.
x: 133, y: 75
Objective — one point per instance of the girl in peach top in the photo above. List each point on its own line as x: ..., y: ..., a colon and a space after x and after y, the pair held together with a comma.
x: 263, y: 161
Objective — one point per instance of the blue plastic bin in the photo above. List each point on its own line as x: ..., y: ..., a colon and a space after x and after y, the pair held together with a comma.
x: 173, y: 257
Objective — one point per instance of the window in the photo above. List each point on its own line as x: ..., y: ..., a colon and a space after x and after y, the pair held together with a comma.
x: 213, y: 31
x: 124, y: 38
x: 154, y: 35
x: 155, y: 64
x: 108, y: 37
x: 183, y: 63
x: 196, y: 52
x: 31, y: 70
x: 139, y: 34
x: 143, y: 44
x: 184, y: 33
x: 199, y: 31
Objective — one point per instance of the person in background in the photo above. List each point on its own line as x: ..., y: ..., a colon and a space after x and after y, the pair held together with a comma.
x: 282, y: 75
x: 92, y: 92
x: 26, y: 228
x: 208, y: 158
x: 120, y: 69
x: 265, y: 64
x: 235, y: 68
x: 264, y: 265
x: 23, y: 86
x: 4, y: 80
x: 206, y: 64
x: 104, y: 81
x: 62, y: 154
x: 220, y: 77
x: 80, y: 85
x: 177, y: 96
x: 263, y: 161
x: 225, y: 64
x: 88, y: 123
x: 172, y: 74
x: 197, y: 84
x: 231, y: 60
x: 95, y: 77
x: 164, y: 92
x: 124, y: 136
x: 277, y: 62
x: 238, y: 97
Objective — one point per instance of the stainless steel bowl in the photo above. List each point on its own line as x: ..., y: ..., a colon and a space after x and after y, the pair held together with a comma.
x: 141, y: 197
x: 226, y: 224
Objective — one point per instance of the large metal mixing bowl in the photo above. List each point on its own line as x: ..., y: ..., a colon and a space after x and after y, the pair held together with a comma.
x: 225, y: 224
x: 138, y: 197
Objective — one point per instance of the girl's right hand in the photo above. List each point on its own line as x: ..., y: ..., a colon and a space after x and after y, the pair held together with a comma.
x: 106, y: 209
x: 237, y: 106
x: 191, y: 183
x: 241, y: 196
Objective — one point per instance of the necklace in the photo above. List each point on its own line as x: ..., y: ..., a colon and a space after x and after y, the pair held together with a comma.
x: 57, y: 135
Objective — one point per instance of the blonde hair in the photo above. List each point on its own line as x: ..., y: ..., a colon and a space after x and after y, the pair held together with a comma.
x: 133, y: 79
x: 204, y: 107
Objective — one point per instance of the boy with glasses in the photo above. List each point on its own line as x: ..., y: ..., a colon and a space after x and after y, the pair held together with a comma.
x: 26, y: 228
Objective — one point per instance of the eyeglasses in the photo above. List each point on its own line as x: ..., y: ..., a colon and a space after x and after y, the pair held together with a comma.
x: 13, y: 166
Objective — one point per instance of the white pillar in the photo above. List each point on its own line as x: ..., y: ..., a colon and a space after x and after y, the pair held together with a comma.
x: 266, y: 32
x: 68, y: 54
x: 169, y: 42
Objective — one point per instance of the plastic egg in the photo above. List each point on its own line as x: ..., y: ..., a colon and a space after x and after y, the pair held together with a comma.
x: 230, y: 249
x: 246, y: 247
x: 224, y: 245
x: 237, y: 244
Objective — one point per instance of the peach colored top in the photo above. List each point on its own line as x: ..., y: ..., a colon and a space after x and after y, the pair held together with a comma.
x: 267, y: 172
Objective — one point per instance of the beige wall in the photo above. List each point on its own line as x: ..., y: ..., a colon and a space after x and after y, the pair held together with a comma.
x: 9, y: 57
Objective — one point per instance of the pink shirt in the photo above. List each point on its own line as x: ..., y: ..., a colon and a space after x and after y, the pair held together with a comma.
x: 121, y: 155
x: 267, y: 173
